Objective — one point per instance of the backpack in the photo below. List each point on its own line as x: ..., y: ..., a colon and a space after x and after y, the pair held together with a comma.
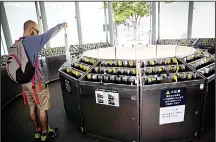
x: 20, y: 69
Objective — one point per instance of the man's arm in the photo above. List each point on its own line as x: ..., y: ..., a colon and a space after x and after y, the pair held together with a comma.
x: 35, y: 43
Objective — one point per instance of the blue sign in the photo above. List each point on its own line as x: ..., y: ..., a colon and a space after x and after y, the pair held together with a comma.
x: 173, y: 97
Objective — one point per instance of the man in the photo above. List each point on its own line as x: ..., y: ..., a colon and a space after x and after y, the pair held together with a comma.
x: 33, y: 43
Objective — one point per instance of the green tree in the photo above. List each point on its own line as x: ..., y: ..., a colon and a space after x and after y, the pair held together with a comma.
x: 132, y: 11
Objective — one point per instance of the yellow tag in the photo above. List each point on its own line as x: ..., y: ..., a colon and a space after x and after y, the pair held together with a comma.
x: 73, y: 71
x: 149, y: 79
x: 150, y: 70
x: 198, y: 55
x: 110, y: 70
x: 152, y: 62
x: 75, y: 64
x: 184, y: 75
x: 86, y: 68
x: 175, y: 60
x: 68, y: 70
x: 160, y: 69
x: 133, y: 71
x: 168, y: 61
x: 76, y: 73
x: 120, y: 63
x: 131, y: 63
x: 110, y: 62
x: 177, y: 68
x: 205, y: 40
x: 191, y: 57
x: 93, y: 61
x: 89, y: 76
x: 81, y: 66
x: 115, y: 70
x: 175, y: 77
x: 96, y: 69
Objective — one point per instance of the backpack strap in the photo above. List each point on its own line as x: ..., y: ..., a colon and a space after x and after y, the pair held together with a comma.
x: 34, y: 90
x: 24, y: 96
x: 33, y: 85
x: 39, y: 83
x: 19, y: 39
x: 38, y: 75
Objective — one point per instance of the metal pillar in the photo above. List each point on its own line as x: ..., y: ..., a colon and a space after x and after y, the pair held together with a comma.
x: 154, y: 23
x: 44, y: 19
x: 110, y: 15
x: 2, y: 44
x: 150, y: 23
x: 105, y: 16
x: 39, y: 17
x: 158, y: 20
x: 79, y: 27
x: 190, y: 19
x: 5, y: 26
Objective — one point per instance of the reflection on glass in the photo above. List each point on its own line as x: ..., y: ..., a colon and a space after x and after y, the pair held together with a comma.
x: 92, y: 20
x: 3, y: 44
x: 173, y: 20
x: 132, y: 23
x: 203, y: 20
x: 59, y: 12
x: 17, y: 14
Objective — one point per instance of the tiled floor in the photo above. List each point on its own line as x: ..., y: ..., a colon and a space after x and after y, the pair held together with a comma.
x: 16, y: 126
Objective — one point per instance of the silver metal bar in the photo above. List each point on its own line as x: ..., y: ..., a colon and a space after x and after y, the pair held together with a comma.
x: 44, y: 19
x: 154, y: 22
x: 105, y: 16
x: 78, y: 20
x: 39, y: 17
x: 5, y: 53
x: 150, y: 29
x: 5, y: 26
x: 190, y: 19
x: 158, y: 20
x: 110, y: 15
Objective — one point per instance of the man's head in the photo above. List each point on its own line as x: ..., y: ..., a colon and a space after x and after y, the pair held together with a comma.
x: 30, y: 28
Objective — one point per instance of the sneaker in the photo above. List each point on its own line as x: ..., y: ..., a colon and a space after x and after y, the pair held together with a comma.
x: 51, y: 133
x: 37, y: 135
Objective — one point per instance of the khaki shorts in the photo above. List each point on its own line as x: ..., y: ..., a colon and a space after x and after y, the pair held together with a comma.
x: 43, y: 96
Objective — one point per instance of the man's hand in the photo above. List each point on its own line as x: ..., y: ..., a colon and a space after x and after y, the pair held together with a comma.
x: 65, y: 24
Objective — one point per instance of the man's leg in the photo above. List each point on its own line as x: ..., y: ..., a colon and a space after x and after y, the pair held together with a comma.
x: 34, y: 118
x: 32, y: 110
x: 43, y: 107
x: 44, y: 121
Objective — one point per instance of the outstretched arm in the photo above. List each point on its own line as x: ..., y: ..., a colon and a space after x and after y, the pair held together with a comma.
x: 37, y: 42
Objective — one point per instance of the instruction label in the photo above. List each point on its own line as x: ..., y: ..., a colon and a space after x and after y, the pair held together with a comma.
x: 107, y: 97
x: 68, y: 85
x: 172, y: 105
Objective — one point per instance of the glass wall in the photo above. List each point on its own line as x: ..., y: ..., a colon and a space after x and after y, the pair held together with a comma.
x: 173, y: 20
x: 132, y: 23
x: 17, y: 14
x: 4, y: 50
x: 203, y: 20
x: 92, y: 20
x: 59, y: 12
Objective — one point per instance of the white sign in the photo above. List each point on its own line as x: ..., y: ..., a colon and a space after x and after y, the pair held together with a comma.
x: 172, y: 106
x: 172, y: 114
x: 107, y: 97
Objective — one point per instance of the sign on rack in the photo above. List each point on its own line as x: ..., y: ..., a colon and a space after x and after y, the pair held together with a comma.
x: 107, y: 97
x: 172, y: 105
x: 68, y: 85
